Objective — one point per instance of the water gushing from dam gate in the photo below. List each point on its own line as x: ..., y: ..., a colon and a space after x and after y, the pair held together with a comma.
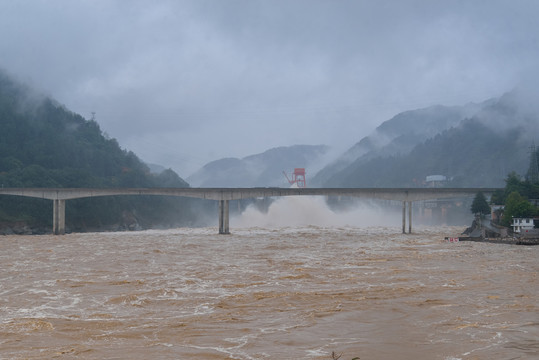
x: 314, y: 210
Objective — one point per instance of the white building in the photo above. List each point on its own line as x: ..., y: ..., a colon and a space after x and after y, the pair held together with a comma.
x: 522, y: 225
x: 435, y: 180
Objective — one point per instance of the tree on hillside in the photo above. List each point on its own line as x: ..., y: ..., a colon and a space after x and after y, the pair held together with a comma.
x: 480, y: 205
x: 517, y: 206
x: 514, y: 183
x: 498, y: 197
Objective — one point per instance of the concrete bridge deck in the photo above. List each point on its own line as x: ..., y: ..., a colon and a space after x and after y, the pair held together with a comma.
x: 224, y: 195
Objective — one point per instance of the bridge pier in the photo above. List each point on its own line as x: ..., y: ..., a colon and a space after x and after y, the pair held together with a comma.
x: 404, y: 217
x: 224, y: 225
x: 409, y: 217
x: 59, y: 217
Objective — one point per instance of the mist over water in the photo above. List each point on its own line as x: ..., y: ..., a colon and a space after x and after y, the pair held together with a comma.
x: 313, y: 210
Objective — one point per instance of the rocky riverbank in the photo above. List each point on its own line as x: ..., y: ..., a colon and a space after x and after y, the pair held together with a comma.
x: 506, y: 240
x: 22, y: 228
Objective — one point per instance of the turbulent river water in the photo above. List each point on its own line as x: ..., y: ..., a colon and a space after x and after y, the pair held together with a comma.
x: 267, y: 292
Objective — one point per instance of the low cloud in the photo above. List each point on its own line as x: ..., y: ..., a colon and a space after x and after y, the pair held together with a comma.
x: 173, y: 80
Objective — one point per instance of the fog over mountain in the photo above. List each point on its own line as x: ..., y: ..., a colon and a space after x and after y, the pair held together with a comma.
x: 400, y: 135
x: 185, y: 82
x: 476, y: 144
x: 265, y: 169
x: 472, y: 145
x: 44, y: 144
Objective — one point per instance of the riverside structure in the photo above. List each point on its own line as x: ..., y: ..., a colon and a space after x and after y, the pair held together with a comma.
x: 224, y: 195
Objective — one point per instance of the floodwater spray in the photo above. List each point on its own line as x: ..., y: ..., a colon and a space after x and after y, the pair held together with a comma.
x: 313, y: 210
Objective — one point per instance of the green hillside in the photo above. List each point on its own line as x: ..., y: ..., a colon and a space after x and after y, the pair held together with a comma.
x: 478, y: 151
x: 471, y: 155
x: 42, y: 144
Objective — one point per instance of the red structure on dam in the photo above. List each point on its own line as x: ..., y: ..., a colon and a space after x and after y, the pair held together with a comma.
x: 298, y: 178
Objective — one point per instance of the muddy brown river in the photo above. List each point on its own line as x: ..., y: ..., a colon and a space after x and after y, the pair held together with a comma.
x: 267, y: 292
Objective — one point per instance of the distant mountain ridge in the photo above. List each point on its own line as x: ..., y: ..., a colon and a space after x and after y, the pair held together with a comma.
x: 399, y: 135
x: 476, y: 144
x: 472, y: 145
x: 264, y: 169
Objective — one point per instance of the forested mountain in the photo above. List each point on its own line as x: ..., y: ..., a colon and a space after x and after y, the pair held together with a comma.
x: 398, y: 136
x: 265, y: 169
x: 42, y: 144
x: 476, y: 150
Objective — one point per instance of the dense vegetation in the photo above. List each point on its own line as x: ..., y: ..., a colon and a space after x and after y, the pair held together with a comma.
x: 516, y: 198
x: 480, y: 205
x: 470, y: 155
x: 42, y: 144
x: 489, y: 141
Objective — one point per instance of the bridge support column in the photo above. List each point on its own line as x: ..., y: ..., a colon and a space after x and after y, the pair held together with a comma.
x: 224, y: 227
x: 409, y: 217
x: 404, y: 217
x: 59, y: 217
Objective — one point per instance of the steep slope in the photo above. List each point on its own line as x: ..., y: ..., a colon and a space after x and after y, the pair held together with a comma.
x: 479, y: 151
x: 42, y: 144
x: 399, y: 135
x: 263, y: 169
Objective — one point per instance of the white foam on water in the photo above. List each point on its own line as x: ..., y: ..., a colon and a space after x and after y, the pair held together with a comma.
x: 204, y: 309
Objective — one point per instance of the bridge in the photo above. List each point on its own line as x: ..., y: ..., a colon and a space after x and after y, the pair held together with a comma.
x: 224, y: 195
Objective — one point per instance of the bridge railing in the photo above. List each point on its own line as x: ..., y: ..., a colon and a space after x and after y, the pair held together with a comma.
x: 402, y: 194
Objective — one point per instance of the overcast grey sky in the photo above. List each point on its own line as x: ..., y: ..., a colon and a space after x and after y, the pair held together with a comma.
x: 184, y: 82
